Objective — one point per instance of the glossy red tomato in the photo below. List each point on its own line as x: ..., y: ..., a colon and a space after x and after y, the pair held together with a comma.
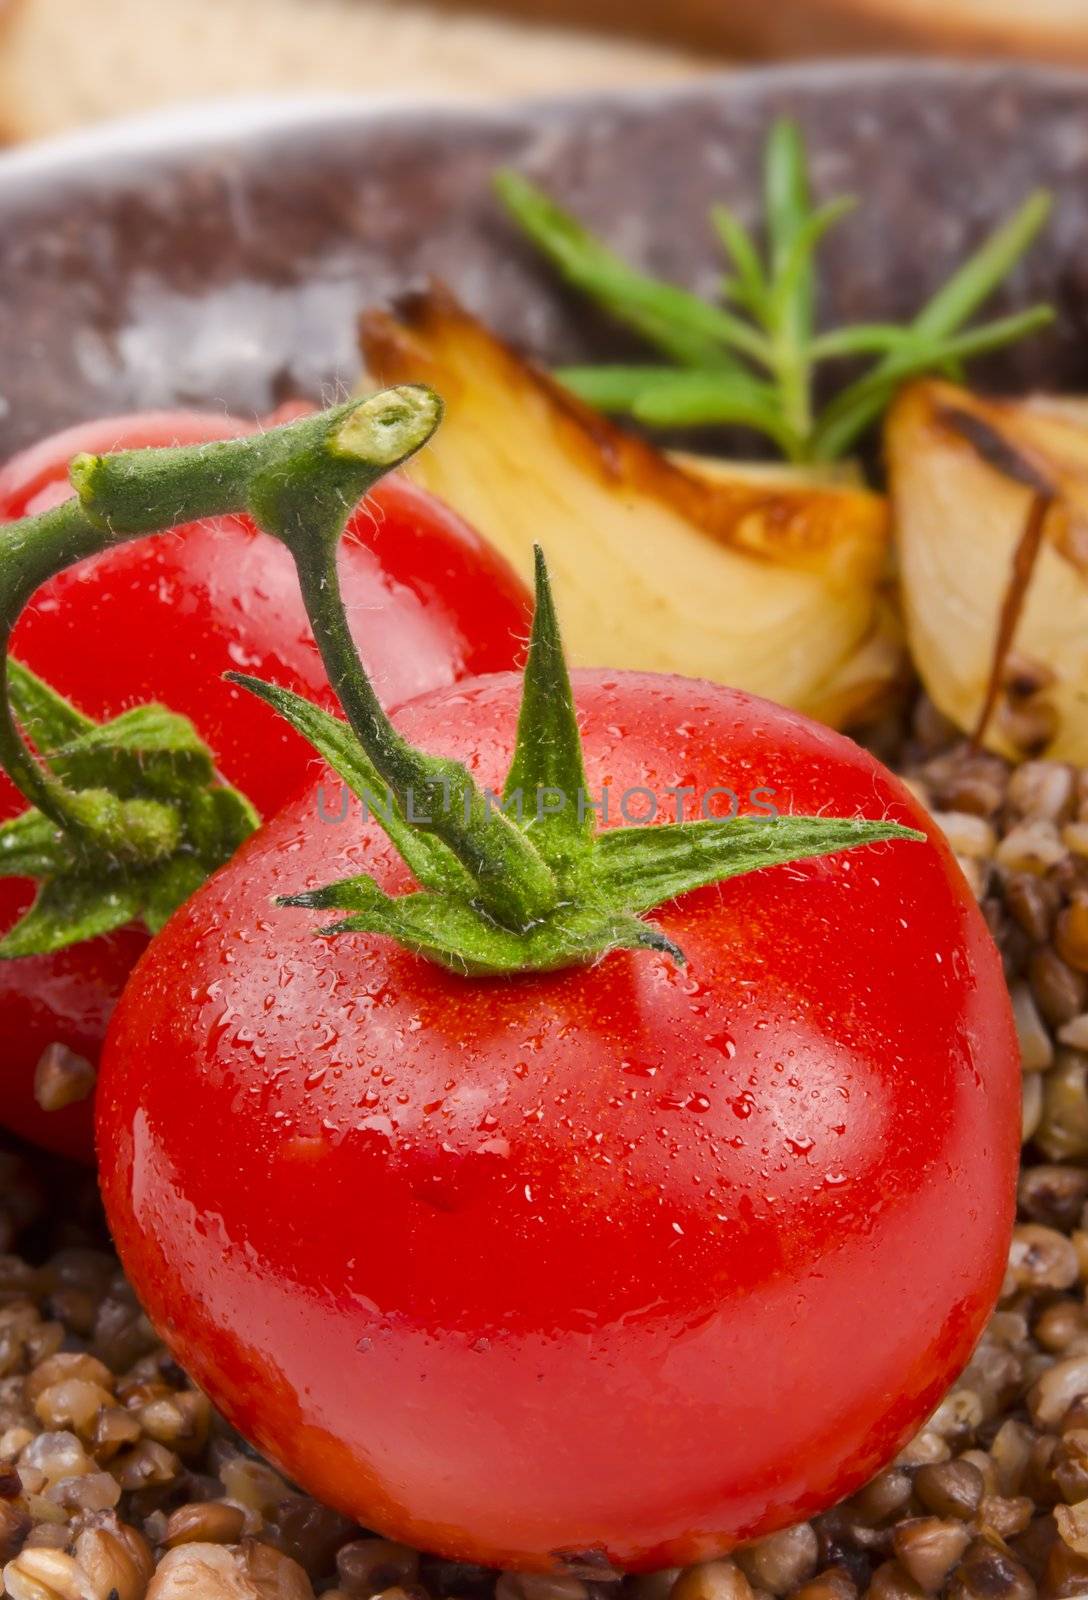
x: 629, y: 1259
x: 162, y: 619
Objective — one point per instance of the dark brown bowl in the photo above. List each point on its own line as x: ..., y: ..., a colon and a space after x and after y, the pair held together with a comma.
x: 226, y: 263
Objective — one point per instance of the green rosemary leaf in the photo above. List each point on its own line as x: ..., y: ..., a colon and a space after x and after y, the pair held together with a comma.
x: 980, y: 275
x: 794, y: 280
x: 847, y: 417
x: 788, y: 210
x: 928, y: 345
x: 685, y: 327
x: 613, y: 388
x: 666, y: 397
x: 785, y: 188
x: 863, y: 339
x: 754, y: 365
x: 749, y: 288
x: 698, y: 399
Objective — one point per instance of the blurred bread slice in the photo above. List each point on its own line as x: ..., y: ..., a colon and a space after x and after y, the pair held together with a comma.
x: 1044, y: 30
x: 63, y: 63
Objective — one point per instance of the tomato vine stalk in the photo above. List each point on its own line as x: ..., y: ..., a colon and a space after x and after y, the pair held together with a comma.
x: 126, y: 816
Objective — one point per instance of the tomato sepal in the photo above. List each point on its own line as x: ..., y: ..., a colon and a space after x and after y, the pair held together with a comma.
x: 136, y: 802
x: 639, y: 868
x: 548, y: 762
x: 129, y: 816
x: 427, y: 858
x: 457, y: 936
x: 146, y: 819
x: 601, y: 883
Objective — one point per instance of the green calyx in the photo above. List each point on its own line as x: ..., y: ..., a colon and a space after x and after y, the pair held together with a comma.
x: 146, y: 820
x: 569, y: 894
x: 128, y: 818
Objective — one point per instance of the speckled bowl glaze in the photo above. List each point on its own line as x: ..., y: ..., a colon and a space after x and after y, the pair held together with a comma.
x: 223, y: 259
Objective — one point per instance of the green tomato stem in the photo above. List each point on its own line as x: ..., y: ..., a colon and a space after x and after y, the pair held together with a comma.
x: 133, y: 493
x: 604, y: 881
x: 513, y: 884
x: 300, y: 484
x: 34, y: 549
x: 494, y: 897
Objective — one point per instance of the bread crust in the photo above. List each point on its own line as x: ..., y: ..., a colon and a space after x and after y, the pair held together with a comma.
x: 146, y: 54
x: 958, y: 27
x: 795, y: 28
x: 9, y: 127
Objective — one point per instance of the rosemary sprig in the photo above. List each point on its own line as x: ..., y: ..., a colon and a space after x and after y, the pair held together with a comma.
x: 752, y: 360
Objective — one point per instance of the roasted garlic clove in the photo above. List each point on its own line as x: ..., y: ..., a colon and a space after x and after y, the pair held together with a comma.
x: 990, y: 504
x: 776, y: 587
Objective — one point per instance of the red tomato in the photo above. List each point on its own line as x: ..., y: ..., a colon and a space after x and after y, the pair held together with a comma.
x: 630, y: 1259
x: 162, y: 619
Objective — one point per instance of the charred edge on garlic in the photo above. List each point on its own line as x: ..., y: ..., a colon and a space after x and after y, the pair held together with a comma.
x: 992, y: 446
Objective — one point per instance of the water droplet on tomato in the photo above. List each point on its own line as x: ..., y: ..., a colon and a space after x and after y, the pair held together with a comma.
x: 723, y: 1042
x: 669, y: 1102
x: 638, y: 1069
